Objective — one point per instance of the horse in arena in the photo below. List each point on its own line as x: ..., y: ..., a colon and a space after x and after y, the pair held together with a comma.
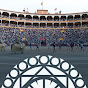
x: 17, y: 47
x: 2, y: 46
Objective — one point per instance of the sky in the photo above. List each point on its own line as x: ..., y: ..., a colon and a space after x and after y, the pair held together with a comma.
x: 66, y: 6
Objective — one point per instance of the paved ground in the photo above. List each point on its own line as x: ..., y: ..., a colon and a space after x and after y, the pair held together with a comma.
x: 78, y: 58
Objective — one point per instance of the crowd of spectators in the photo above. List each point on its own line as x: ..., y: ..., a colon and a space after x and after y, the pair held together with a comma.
x: 11, y: 35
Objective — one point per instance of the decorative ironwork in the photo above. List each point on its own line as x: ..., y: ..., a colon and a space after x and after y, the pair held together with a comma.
x: 44, y: 72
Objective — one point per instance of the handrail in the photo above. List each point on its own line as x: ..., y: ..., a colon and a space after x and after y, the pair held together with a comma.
x: 44, y: 21
x: 43, y: 28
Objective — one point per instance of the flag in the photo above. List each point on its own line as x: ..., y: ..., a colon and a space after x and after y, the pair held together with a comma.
x: 55, y: 9
x: 21, y: 30
x: 61, y: 38
x: 42, y: 3
x: 63, y: 31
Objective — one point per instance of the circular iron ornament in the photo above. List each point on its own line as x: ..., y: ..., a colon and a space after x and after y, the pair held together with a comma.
x: 14, y: 74
x: 65, y: 68
x: 32, y: 63
x: 54, y: 61
x: 42, y: 61
x: 79, y: 84
x: 73, y: 73
x: 23, y: 64
x: 43, y: 72
x: 8, y: 84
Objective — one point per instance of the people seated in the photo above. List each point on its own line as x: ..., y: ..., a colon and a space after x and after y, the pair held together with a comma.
x: 9, y: 35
